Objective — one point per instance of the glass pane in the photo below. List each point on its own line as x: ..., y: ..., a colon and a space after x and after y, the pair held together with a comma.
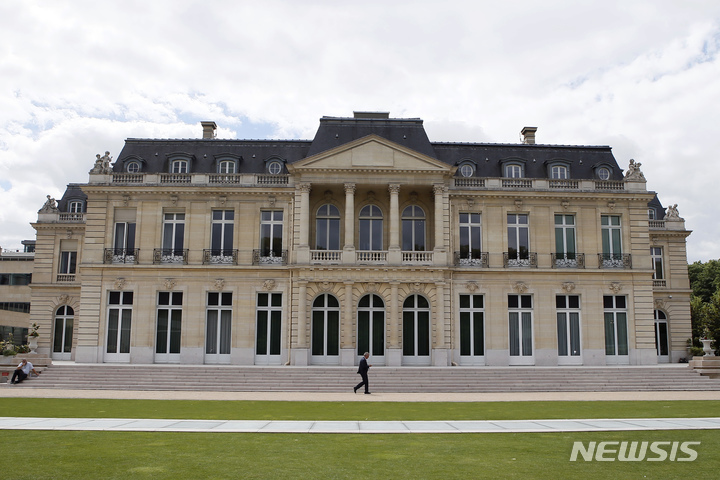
x: 422, y: 302
x: 363, y: 341
x: 464, y: 301
x: 125, y: 331
x: 276, y: 299
x: 211, y: 330
x: 334, y: 234
x: 119, y: 236
x: 419, y: 236
x: 58, y: 335
x: 162, y: 332
x: 574, y: 333
x: 514, y: 334
x: 622, y: 334
x: 333, y: 341
x: 478, y: 334
x: 112, y: 330
x: 562, y: 334
x: 67, y: 347
x: 378, y: 333
x: 408, y: 334
x: 662, y: 337
x: 423, y: 333
x: 321, y: 242
x: 527, y: 333
x: 609, y: 334
x: 318, y: 333
x: 261, y: 333
x: 225, y: 331
x: 275, y: 332
x: 465, y: 335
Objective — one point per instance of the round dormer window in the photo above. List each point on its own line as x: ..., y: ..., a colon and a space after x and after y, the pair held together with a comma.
x: 133, y: 167
x: 467, y: 170
x: 603, y: 173
x: 275, y: 167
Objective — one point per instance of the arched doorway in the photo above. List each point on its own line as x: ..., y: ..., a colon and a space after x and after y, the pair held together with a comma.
x: 416, y: 331
x: 63, y: 333
x: 662, y: 337
x: 371, y: 328
x: 325, y: 336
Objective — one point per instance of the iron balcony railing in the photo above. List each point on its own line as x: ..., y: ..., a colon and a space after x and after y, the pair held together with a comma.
x: 614, y: 260
x: 170, y: 256
x: 217, y: 256
x: 520, y: 259
x: 472, y: 259
x: 568, y: 260
x: 121, y: 255
x: 261, y: 257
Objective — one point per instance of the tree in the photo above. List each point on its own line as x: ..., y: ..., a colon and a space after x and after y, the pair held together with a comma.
x: 705, y: 301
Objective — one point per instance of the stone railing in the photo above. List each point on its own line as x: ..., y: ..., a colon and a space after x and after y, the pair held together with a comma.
x: 65, y: 277
x: 495, y: 183
x: 368, y: 257
x: 326, y: 256
x: 235, y: 179
x: 417, y: 258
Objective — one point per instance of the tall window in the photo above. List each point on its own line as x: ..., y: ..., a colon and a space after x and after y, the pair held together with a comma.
x: 271, y: 228
x: 371, y: 228
x: 173, y: 233
x: 520, y: 325
x: 656, y: 254
x: 68, y: 263
x: 518, y: 238
x: 616, y: 327
x: 180, y: 166
x: 413, y: 229
x: 472, y: 325
x: 611, y: 236
x: 62, y: 332
x: 565, y: 238
x: 218, y: 324
x: 119, y: 322
x: 416, y: 328
x: 470, y: 235
x: 327, y: 231
x: 124, y: 243
x: 371, y: 325
x: 662, y: 336
x: 226, y: 166
x: 268, y: 312
x: 326, y: 328
x: 568, y: 325
x: 169, y: 323
x: 221, y: 241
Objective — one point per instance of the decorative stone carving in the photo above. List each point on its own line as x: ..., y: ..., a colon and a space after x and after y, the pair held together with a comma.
x: 634, y: 173
x: 659, y: 304
x: 611, y: 206
x: 472, y: 286
x: 520, y: 287
x: 328, y: 195
x: 371, y: 287
x: 350, y: 188
x: 68, y: 233
x: 173, y: 199
x: 169, y: 283
x: 565, y: 204
x: 49, y: 206
x: 615, y: 287
x: 568, y: 286
x: 518, y: 204
x: 268, y: 284
x: 119, y: 283
x: 126, y: 200
x: 672, y: 214
x: 222, y: 199
x: 326, y: 286
x: 416, y: 287
x: 63, y: 299
x: 102, y: 164
x: 272, y: 200
x: 219, y: 284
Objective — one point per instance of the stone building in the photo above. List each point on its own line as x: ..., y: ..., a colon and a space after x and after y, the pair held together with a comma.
x: 15, y: 276
x: 370, y: 237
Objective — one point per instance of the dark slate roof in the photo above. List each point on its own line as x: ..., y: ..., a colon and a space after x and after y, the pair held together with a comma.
x: 252, y: 155
x: 72, y: 192
x: 659, y: 209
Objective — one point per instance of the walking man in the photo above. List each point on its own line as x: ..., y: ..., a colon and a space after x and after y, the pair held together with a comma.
x: 362, y: 370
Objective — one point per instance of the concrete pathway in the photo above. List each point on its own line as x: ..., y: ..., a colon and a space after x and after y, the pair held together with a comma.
x: 284, y: 426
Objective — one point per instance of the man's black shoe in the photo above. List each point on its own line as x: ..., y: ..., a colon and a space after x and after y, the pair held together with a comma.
x: 354, y: 389
x: 367, y: 393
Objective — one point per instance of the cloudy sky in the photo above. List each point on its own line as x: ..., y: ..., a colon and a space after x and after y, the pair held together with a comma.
x: 78, y: 77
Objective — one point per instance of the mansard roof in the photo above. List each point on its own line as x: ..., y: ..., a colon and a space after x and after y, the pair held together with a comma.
x: 251, y: 156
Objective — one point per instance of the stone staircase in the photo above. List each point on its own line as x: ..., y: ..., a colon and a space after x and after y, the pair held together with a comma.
x: 382, y: 379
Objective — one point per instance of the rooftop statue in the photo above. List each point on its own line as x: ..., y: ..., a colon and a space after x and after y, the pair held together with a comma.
x: 102, y: 164
x: 672, y: 214
x: 633, y: 172
x: 49, y: 206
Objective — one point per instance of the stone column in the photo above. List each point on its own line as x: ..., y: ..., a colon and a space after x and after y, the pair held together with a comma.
x: 440, y: 250
x: 440, y: 350
x: 394, y: 216
x: 347, y: 347
x: 393, y: 354
x: 304, y: 214
x: 300, y: 352
x: 349, y: 247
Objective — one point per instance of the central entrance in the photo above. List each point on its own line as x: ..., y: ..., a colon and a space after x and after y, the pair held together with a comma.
x: 325, y: 341
x: 371, y: 328
x: 416, y: 331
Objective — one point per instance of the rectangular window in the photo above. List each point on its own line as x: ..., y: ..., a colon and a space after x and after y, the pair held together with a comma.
x: 568, y: 325
x: 119, y: 321
x: 520, y: 309
x: 218, y: 331
x: 565, y: 237
x: 124, y: 238
x: 222, y: 232
x: 169, y: 322
x: 271, y: 231
x: 656, y: 254
x: 470, y: 236
x: 173, y: 233
x: 611, y: 235
x: 518, y: 238
x: 68, y: 261
x: 269, y: 323
x: 616, y: 327
x: 472, y: 325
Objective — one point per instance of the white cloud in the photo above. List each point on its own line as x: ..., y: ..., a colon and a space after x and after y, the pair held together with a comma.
x: 77, y: 78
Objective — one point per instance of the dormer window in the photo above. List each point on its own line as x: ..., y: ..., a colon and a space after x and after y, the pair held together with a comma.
x: 513, y: 170
x: 226, y: 166
x: 180, y: 166
x: 75, y: 206
x: 651, y: 214
x: 559, y: 172
x: 132, y: 167
x: 275, y: 167
x: 603, y: 173
x: 467, y: 169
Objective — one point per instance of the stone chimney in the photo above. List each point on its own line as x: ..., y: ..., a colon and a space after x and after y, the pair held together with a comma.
x: 209, y: 129
x: 528, y: 135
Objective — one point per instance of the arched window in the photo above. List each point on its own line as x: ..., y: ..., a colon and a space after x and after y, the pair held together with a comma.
x: 416, y: 330
x: 226, y: 166
x: 371, y: 228
x: 603, y: 173
x: 327, y: 228
x: 275, y: 167
x: 413, y: 229
x: 325, y: 341
x: 662, y: 337
x: 467, y: 170
x: 62, y: 332
x: 132, y: 167
x: 371, y: 325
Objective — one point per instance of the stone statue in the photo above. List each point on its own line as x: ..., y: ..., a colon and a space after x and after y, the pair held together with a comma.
x: 634, y: 172
x: 49, y: 206
x: 102, y: 164
x: 672, y: 214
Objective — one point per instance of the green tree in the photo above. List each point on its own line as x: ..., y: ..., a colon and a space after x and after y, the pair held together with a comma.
x: 705, y: 300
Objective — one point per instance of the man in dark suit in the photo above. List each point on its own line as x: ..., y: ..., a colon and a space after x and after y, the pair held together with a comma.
x: 362, y: 370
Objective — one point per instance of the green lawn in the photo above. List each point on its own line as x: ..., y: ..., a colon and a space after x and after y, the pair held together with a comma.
x: 256, y: 410
x: 109, y: 455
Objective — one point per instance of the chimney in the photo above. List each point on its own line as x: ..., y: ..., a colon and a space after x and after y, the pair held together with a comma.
x: 209, y: 129
x: 528, y: 135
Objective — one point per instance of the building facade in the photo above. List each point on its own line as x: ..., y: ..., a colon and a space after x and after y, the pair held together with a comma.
x: 369, y: 237
x: 15, y: 276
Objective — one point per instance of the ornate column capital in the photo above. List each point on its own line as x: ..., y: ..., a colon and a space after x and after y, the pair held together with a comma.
x: 394, y: 188
x: 349, y: 189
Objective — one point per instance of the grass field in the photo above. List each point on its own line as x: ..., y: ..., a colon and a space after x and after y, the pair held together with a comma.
x: 109, y: 455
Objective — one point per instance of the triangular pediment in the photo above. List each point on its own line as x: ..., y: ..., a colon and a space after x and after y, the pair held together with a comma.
x: 371, y: 153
